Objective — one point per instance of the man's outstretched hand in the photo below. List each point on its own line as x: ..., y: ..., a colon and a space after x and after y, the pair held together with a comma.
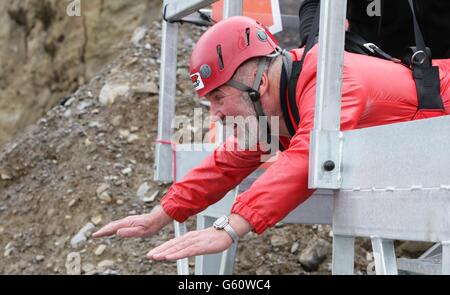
x: 135, y: 226
x: 200, y: 242
x: 193, y: 243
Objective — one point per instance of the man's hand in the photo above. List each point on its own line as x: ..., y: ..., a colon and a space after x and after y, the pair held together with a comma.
x: 200, y: 242
x: 194, y: 243
x: 136, y: 226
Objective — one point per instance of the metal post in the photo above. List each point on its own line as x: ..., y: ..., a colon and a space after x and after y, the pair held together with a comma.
x: 384, y: 256
x: 446, y: 257
x: 207, y: 264
x: 167, y: 91
x: 343, y: 259
x: 182, y: 264
x: 325, y: 138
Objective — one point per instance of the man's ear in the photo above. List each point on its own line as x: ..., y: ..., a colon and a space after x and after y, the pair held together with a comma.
x: 264, y: 84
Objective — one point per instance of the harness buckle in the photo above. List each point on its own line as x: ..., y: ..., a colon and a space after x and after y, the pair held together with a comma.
x: 371, y: 47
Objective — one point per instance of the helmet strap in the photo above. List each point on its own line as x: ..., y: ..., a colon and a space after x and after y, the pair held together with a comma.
x: 253, y: 93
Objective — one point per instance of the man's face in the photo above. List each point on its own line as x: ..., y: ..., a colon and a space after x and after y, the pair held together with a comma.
x: 227, y: 101
x: 235, y: 110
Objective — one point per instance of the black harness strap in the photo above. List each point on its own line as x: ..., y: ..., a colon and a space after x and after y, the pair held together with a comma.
x: 295, y: 75
x: 426, y: 75
x: 283, y: 100
x: 356, y: 44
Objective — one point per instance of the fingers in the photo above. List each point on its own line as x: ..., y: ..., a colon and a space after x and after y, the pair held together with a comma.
x: 169, y: 244
x: 179, y: 246
x: 111, y: 228
x: 192, y: 250
x: 192, y: 244
x: 130, y: 232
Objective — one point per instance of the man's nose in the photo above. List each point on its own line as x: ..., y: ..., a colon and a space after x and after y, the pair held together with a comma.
x: 217, y: 117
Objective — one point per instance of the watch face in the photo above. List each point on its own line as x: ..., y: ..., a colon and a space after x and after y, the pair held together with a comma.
x: 221, y: 222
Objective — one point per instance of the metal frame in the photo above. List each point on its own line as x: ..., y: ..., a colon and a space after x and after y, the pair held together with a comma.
x: 381, y: 199
x: 390, y: 182
x: 176, y: 10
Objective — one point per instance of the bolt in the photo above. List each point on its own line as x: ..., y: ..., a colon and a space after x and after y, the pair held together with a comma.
x: 329, y: 166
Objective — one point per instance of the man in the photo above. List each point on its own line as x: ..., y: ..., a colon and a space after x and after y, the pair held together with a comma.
x: 238, y: 67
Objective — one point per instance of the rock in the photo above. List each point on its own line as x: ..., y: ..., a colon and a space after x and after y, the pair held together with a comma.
x: 278, y: 224
x: 119, y: 202
x: 2, y: 230
x: 82, y: 235
x: 294, y: 247
x: 132, y: 138
x: 263, y: 270
x: 88, y: 268
x: 40, y: 258
x: 277, y: 241
x: 145, y: 195
x: 73, y: 263
x: 110, y: 272
x: 83, y: 105
x: 95, y: 124
x: 110, y: 92
x: 100, y: 249
x: 105, y: 197
x: 314, y: 255
x: 127, y: 171
x: 117, y: 120
x: 138, y: 35
x: 5, y: 176
x: 102, y: 188
x: 72, y: 203
x: 96, y: 219
x: 104, y: 265
x: 148, y: 46
x: 124, y: 133
x: 145, y: 88
x: 131, y: 62
x: 9, y: 248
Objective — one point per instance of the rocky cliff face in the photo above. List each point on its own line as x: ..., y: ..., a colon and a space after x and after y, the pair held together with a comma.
x: 46, y: 54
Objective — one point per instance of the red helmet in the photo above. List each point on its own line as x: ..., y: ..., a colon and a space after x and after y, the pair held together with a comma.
x: 224, y: 47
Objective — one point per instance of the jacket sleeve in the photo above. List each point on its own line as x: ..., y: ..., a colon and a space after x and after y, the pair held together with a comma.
x: 206, y: 184
x: 284, y: 185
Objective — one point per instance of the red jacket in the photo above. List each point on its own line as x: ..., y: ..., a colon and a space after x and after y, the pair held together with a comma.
x: 375, y: 92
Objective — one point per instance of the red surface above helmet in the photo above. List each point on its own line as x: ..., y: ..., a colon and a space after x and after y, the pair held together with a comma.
x: 224, y: 47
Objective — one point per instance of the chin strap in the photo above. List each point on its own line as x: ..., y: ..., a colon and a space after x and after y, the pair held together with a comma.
x: 253, y: 93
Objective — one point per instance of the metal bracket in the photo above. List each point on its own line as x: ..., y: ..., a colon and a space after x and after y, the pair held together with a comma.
x: 328, y: 158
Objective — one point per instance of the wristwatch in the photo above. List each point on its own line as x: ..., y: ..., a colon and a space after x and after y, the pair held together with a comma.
x: 223, y: 223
